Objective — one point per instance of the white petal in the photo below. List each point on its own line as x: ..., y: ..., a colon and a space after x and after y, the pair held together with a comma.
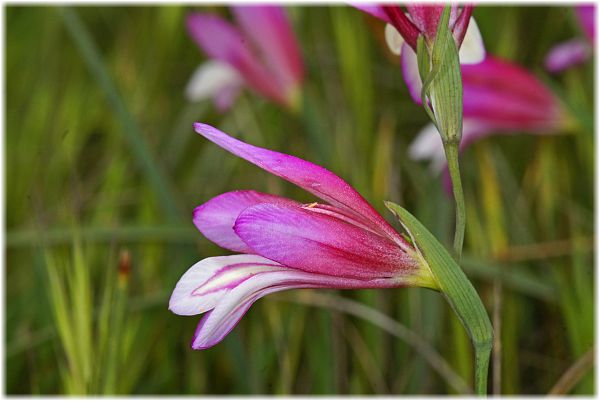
x: 428, y: 145
x: 472, y: 50
x: 393, y: 39
x: 210, y: 79
x: 201, y: 287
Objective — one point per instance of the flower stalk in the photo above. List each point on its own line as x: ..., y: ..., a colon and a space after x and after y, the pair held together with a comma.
x: 439, y: 68
x: 442, y: 98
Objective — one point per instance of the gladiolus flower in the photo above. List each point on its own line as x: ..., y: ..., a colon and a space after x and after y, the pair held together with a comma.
x: 283, y: 244
x: 575, y: 51
x: 402, y: 30
x: 498, y: 97
x: 259, y: 51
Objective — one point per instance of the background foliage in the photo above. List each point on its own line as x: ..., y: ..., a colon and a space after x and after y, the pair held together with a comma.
x: 103, y: 171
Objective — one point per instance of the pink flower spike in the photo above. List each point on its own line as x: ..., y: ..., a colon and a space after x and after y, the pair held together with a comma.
x: 343, y: 244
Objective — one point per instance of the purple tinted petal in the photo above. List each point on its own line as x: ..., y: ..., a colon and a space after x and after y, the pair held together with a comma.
x: 587, y: 16
x: 271, y: 32
x: 374, y: 10
x: 567, y: 54
x: 320, y: 243
x: 215, y: 218
x: 205, y: 283
x: 219, y: 322
x: 314, y: 179
x: 410, y: 72
x: 222, y: 41
x: 526, y: 103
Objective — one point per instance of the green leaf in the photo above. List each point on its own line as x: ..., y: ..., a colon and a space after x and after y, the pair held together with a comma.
x: 456, y: 288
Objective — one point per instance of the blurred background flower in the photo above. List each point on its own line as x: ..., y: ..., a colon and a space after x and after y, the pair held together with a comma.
x: 574, y: 51
x: 499, y: 97
x: 259, y: 51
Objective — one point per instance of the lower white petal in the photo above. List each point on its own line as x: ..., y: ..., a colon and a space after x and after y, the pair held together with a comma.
x: 205, y: 283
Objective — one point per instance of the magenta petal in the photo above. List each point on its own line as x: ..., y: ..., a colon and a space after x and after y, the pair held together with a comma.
x: 270, y: 30
x: 587, y: 17
x: 526, y: 103
x: 215, y: 218
x: 222, y: 41
x: 374, y: 10
x: 427, y: 17
x: 219, y: 322
x: 462, y: 24
x: 567, y: 54
x: 320, y: 243
x: 314, y: 179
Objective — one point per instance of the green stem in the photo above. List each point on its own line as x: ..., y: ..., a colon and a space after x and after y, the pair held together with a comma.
x: 457, y: 289
x: 459, y: 198
x: 482, y: 359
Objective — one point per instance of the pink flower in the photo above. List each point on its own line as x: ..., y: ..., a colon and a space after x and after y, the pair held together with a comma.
x: 574, y: 51
x: 498, y: 97
x: 259, y: 51
x: 283, y: 244
x: 402, y: 30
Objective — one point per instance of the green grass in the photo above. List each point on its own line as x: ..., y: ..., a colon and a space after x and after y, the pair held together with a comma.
x: 101, y: 160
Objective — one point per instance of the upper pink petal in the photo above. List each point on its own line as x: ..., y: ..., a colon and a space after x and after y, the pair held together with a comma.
x: 271, y: 32
x: 222, y: 41
x: 567, y: 54
x: 216, y: 217
x: 314, y: 179
x: 321, y: 243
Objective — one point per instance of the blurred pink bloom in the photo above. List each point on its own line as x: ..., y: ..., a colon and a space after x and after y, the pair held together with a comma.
x: 574, y: 51
x: 343, y: 243
x: 259, y: 51
x: 498, y: 98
